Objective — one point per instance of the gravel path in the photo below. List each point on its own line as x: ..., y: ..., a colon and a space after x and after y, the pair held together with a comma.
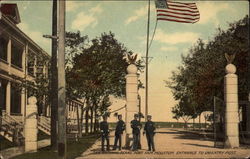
x: 170, y: 143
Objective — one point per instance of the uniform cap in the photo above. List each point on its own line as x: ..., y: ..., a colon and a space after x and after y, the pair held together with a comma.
x: 149, y: 116
x: 136, y: 115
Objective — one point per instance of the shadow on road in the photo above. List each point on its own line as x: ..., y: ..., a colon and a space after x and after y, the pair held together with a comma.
x: 181, y: 134
x: 199, y: 145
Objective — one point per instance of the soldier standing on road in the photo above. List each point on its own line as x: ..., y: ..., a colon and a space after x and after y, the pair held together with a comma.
x: 149, y: 128
x: 120, y: 127
x: 136, y: 126
x: 104, y: 127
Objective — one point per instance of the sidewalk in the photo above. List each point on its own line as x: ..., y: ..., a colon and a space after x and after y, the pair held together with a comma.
x: 170, y: 143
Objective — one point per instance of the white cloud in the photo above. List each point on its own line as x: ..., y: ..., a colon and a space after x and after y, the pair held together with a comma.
x: 83, y: 20
x: 72, y: 6
x: 142, y: 12
x: 209, y: 11
x: 139, y: 13
x: 96, y: 10
x: 169, y: 48
x: 36, y: 36
x: 175, y: 38
x: 86, y: 19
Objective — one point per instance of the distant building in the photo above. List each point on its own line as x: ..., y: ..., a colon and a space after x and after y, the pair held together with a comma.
x: 21, y: 59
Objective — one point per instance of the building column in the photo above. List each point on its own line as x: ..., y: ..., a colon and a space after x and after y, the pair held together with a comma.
x: 9, y: 54
x: 45, y: 70
x: 23, y: 103
x: 24, y: 60
x: 8, y: 97
x: 131, y: 101
x: 35, y: 66
x: 48, y: 111
x: 231, y: 112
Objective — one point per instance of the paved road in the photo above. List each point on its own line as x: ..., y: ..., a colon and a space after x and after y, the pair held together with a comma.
x: 170, y: 143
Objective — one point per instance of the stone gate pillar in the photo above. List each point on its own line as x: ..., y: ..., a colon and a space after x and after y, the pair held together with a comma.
x: 131, y: 101
x: 30, y: 128
x: 231, y: 111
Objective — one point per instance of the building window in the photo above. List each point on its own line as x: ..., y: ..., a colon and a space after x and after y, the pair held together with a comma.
x: 3, y: 48
x: 16, y: 54
x: 3, y: 86
x: 15, y: 103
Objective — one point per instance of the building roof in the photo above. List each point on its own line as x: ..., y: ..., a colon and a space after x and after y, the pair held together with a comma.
x: 11, y: 11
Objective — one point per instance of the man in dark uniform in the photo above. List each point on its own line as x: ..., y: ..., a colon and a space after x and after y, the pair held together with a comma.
x: 120, y: 127
x: 149, y: 128
x: 104, y: 127
x: 136, y: 127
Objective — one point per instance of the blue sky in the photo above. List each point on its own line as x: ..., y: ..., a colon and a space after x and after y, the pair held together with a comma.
x: 127, y: 20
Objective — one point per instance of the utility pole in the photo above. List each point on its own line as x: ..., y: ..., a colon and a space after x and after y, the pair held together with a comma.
x: 61, y: 83
x: 147, y: 48
x: 54, y: 84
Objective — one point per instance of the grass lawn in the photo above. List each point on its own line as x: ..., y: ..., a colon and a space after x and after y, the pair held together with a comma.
x: 74, y: 149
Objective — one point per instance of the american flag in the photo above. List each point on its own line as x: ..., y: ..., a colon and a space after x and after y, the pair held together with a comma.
x: 177, y: 11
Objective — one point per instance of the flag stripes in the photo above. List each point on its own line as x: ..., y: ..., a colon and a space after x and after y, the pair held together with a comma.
x: 177, y: 11
x: 188, y: 14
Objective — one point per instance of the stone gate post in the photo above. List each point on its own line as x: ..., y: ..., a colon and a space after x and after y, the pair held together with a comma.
x: 30, y: 128
x: 231, y: 111
x: 131, y: 101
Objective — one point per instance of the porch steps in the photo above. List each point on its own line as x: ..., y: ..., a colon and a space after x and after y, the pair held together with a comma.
x: 44, y: 124
x: 11, y: 129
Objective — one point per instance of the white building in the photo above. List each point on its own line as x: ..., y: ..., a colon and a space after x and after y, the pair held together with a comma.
x: 21, y: 59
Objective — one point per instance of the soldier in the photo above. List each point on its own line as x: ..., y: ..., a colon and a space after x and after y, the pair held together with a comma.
x: 120, y: 127
x: 104, y: 127
x: 136, y: 126
x: 149, y: 128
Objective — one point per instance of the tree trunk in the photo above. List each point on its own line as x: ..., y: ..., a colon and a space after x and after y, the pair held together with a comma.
x: 205, y: 122
x: 95, y: 116
x: 78, y: 122
x: 199, y: 121
x: 193, y: 123
x: 185, y: 125
x: 87, y: 121
x: 91, y: 118
x: 81, y: 120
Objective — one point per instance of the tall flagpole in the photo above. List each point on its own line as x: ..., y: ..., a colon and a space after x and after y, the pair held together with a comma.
x: 146, y: 85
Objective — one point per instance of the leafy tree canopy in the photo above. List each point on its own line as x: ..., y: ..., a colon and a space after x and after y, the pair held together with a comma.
x: 200, y: 77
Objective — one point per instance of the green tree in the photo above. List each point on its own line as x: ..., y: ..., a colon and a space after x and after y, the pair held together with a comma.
x: 100, y: 67
x: 201, y: 75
